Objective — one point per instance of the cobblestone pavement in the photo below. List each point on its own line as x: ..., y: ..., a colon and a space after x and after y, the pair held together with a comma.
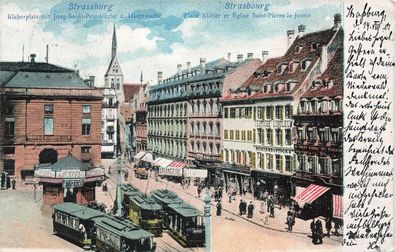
x: 230, y: 231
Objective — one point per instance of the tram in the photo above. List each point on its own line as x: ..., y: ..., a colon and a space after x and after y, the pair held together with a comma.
x: 75, y: 222
x: 183, y: 221
x: 120, y: 235
x: 144, y: 211
x: 91, y: 228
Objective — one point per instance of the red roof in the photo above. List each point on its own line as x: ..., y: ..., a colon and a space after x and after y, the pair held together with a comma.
x: 130, y: 89
x: 332, y: 73
x: 301, y: 49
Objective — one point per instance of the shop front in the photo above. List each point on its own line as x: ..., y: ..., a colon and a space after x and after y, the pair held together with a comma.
x: 276, y: 184
x: 317, y: 196
x: 237, y: 177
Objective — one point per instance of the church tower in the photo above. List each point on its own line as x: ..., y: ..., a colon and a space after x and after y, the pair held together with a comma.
x: 114, y: 78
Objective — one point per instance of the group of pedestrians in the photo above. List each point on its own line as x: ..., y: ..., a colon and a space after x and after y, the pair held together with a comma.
x: 245, y: 208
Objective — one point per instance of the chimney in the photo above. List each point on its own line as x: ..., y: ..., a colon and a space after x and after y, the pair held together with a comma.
x: 290, y: 37
x: 250, y: 55
x: 188, y: 67
x: 239, y: 58
x: 229, y: 56
x: 301, y: 30
x: 159, y: 76
x: 92, y: 80
x: 323, y: 59
x: 264, y: 54
x: 179, y: 69
x: 202, y: 62
x: 337, y: 21
x: 32, y: 58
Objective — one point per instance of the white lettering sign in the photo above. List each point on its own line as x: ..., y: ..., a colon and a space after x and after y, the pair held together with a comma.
x: 44, y: 173
x: 71, y: 174
x: 195, y: 173
x: 167, y: 171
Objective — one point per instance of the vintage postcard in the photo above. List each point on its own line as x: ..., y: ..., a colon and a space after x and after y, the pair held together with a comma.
x: 197, y: 125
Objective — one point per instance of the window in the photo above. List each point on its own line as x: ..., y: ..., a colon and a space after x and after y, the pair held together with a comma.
x: 288, y: 112
x: 211, y: 148
x: 268, y: 161
x: 252, y: 159
x: 232, y: 112
x: 48, y: 125
x: 243, y: 133
x: 9, y: 126
x: 9, y: 109
x: 9, y: 166
x: 225, y: 112
x: 288, y: 163
x: 305, y: 64
x: 211, y: 129
x: 269, y: 112
x: 261, y: 136
x: 260, y: 113
x: 218, y: 129
x: 86, y: 126
x: 261, y: 160
x: 278, y: 112
x: 218, y: 148
x: 269, y: 136
x: 225, y: 134
x: 288, y: 137
x: 237, y: 135
x: 231, y: 134
x: 85, y: 149
x: 86, y: 109
x: 278, y: 162
x: 198, y: 145
x: 9, y: 150
x: 249, y: 135
x: 48, y: 108
x: 192, y: 146
x: 192, y: 128
x: 204, y: 129
x: 278, y: 137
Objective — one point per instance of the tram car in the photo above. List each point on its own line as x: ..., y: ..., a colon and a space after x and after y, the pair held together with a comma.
x: 127, y: 190
x: 183, y: 221
x: 121, y: 235
x: 93, y: 229
x: 75, y: 222
x: 144, y: 211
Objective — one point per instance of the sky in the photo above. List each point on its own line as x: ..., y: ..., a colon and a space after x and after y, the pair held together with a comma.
x: 167, y: 36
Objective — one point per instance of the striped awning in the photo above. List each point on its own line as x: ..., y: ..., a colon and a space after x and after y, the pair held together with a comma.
x: 140, y: 154
x: 164, y: 162
x: 337, y: 206
x: 311, y: 193
x: 157, y: 160
x: 177, y: 164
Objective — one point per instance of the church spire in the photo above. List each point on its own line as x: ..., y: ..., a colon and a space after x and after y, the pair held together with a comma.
x: 114, y: 43
x: 141, y: 77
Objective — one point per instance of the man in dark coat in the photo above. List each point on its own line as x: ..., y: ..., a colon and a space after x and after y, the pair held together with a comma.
x: 250, y: 210
x: 218, y: 206
x: 319, y: 231
x: 241, y: 206
x: 328, y: 226
x: 313, y: 231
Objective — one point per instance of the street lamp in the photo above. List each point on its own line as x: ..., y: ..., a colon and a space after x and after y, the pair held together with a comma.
x: 119, y: 206
x: 208, y: 226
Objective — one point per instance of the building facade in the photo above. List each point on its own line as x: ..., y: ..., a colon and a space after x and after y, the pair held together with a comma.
x: 319, y: 124
x: 46, y: 112
x: 184, y: 119
x: 268, y: 101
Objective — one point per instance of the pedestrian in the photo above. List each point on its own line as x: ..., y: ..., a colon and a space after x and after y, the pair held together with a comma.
x: 250, y: 210
x: 266, y: 217
x: 234, y: 192
x: 336, y: 227
x: 109, y: 170
x: 265, y: 197
x: 240, y: 207
x: 319, y: 231
x: 290, y: 222
x: 13, y: 182
x: 216, y: 194
x: 262, y: 206
x: 229, y: 196
x: 221, y: 192
x: 328, y: 226
x: 313, y: 229
x: 218, y: 206
x: 199, y: 190
x: 272, y: 209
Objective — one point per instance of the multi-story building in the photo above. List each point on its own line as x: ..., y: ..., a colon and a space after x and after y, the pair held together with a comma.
x: 184, y: 110
x: 319, y: 124
x: 47, y: 112
x: 139, y: 108
x: 264, y: 106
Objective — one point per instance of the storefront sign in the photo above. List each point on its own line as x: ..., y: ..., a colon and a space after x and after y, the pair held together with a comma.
x: 95, y: 172
x: 167, y: 171
x: 44, y: 173
x: 72, y: 183
x: 71, y: 174
x: 195, y: 173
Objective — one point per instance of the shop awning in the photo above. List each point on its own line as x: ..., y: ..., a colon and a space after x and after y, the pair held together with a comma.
x: 140, y: 154
x: 311, y: 193
x: 156, y: 161
x: 148, y: 157
x: 164, y: 162
x: 337, y: 206
x: 177, y: 164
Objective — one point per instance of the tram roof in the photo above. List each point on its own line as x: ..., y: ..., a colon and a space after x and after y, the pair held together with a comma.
x: 166, y: 196
x: 185, y: 209
x: 122, y: 227
x: 145, y: 202
x: 79, y: 211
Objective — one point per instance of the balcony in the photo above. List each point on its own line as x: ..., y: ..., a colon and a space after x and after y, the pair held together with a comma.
x: 51, y: 138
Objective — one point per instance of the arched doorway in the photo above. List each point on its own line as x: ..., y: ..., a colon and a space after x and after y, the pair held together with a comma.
x: 48, y: 155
